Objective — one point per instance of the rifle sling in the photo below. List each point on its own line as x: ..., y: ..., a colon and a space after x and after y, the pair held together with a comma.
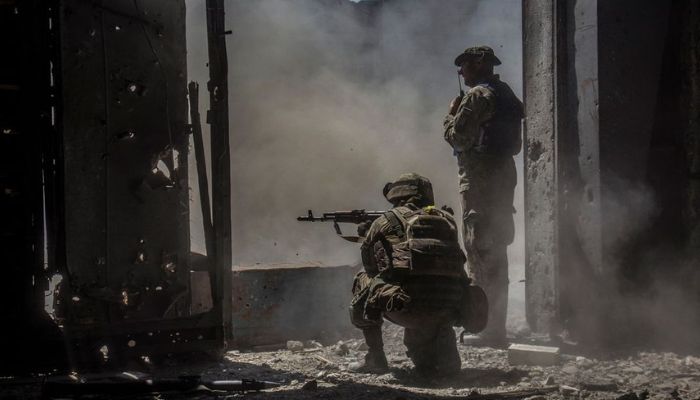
x: 395, y: 225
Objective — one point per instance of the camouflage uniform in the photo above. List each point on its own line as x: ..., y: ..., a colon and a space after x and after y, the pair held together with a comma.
x: 428, y: 306
x: 485, y: 134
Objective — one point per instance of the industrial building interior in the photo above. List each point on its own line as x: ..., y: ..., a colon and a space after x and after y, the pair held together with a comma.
x: 155, y: 153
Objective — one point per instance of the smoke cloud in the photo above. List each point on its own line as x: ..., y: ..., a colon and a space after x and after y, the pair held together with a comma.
x: 330, y: 99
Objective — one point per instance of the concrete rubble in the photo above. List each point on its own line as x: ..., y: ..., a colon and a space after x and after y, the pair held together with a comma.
x: 526, y: 354
x: 314, y: 370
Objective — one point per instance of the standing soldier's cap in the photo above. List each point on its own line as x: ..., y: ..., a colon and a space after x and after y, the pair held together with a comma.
x: 484, y: 53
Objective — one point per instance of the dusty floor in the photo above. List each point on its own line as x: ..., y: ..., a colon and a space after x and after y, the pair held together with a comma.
x: 484, y: 370
x: 320, y: 372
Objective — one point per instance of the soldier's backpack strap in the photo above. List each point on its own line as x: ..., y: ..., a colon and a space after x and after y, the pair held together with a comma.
x: 396, y: 227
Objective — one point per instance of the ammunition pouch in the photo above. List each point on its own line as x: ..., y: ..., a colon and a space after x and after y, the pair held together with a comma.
x: 362, y: 316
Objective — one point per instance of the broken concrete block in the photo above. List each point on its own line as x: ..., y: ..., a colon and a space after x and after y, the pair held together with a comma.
x: 525, y: 354
x: 570, y: 370
x: 294, y: 345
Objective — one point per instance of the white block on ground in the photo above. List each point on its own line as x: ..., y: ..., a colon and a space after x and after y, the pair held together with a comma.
x: 525, y: 354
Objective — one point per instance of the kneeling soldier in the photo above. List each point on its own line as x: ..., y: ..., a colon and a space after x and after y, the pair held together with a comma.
x: 414, y: 277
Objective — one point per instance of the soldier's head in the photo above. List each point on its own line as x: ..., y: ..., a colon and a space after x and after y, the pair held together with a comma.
x: 476, y: 63
x: 409, y: 189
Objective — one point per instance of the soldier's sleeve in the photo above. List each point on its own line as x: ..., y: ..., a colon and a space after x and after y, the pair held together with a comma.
x: 462, y: 129
x: 367, y: 247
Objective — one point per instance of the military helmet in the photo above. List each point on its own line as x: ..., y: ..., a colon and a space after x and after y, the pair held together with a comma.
x: 407, y: 186
x: 484, y: 53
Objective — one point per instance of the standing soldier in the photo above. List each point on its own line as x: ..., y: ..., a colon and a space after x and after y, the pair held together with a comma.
x: 483, y: 128
x: 414, y: 276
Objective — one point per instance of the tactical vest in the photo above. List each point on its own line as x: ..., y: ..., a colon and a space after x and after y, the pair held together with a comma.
x: 500, y: 135
x: 427, y: 260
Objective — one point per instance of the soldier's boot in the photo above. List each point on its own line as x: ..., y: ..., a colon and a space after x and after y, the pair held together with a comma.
x: 375, y: 360
x: 494, y: 282
x: 433, y: 351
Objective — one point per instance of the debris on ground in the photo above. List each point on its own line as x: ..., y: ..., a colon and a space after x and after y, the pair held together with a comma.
x: 526, y: 354
x: 312, y: 370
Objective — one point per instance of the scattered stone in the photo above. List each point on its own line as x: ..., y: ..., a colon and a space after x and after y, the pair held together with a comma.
x: 570, y: 370
x: 312, y: 344
x: 599, y: 386
x: 584, y: 362
x: 691, y: 361
x: 525, y: 354
x: 568, y: 390
x: 362, y: 347
x: 310, y: 385
x: 633, y: 369
x: 640, y: 380
x: 295, y: 345
x: 549, y: 381
x: 341, y: 349
x: 536, y: 398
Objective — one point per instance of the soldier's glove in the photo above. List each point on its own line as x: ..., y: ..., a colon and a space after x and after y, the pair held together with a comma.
x: 363, y: 228
x: 454, y: 106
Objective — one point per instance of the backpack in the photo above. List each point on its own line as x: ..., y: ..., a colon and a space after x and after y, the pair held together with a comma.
x: 429, y: 244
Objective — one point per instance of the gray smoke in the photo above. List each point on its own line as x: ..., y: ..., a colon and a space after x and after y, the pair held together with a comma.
x: 330, y: 100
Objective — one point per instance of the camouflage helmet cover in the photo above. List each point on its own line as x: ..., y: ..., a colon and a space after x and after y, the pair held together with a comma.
x: 407, y: 186
x: 484, y: 53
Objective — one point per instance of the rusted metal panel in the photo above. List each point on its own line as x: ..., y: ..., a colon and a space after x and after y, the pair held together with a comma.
x: 273, y: 303
x: 125, y: 150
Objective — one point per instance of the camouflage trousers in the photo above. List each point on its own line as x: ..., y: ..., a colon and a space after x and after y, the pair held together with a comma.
x: 487, y: 186
x: 428, y: 336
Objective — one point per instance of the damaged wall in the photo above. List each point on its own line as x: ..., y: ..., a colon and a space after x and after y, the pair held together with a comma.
x: 619, y: 136
x: 125, y: 151
x: 125, y: 138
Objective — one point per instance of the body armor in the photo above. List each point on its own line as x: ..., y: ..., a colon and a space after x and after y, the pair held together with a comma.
x: 427, y: 260
x: 500, y: 135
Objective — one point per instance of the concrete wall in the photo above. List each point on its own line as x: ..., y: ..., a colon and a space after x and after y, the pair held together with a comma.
x: 273, y: 303
x: 611, y: 138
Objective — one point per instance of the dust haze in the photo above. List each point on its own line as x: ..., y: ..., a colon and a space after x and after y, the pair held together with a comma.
x: 330, y: 100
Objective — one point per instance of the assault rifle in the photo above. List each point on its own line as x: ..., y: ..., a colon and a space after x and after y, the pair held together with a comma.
x: 351, y: 217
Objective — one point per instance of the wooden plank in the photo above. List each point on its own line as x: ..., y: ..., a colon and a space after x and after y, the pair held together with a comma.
x: 221, y: 164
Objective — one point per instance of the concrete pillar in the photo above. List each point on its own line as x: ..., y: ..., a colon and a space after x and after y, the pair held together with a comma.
x: 540, y: 126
